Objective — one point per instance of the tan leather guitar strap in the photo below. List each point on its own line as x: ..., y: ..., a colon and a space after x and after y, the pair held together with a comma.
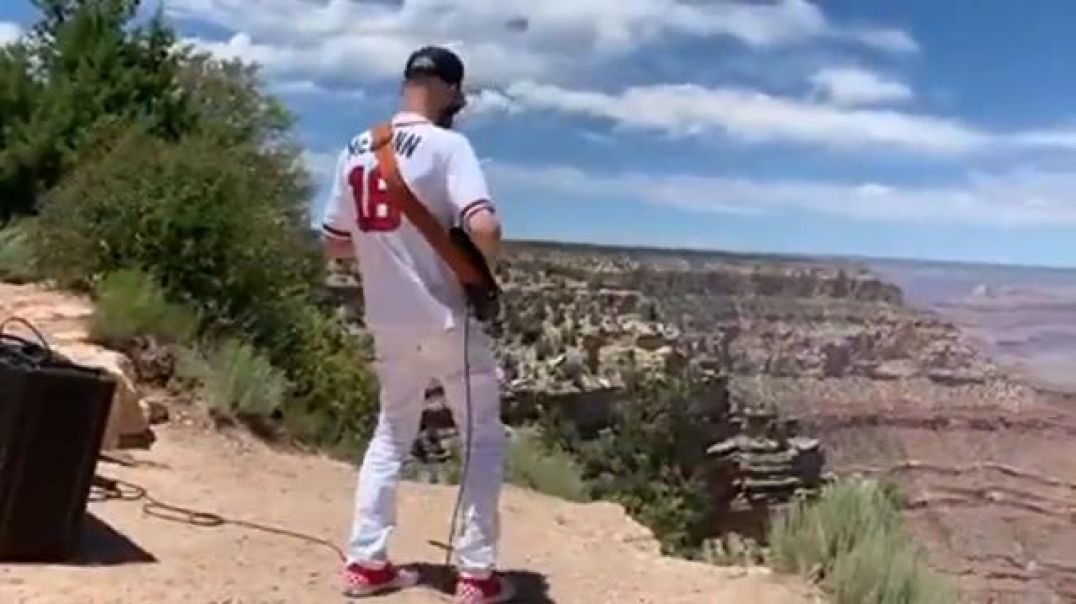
x: 401, y: 195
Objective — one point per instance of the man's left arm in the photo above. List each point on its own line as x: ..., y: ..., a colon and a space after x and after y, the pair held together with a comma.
x: 471, y: 201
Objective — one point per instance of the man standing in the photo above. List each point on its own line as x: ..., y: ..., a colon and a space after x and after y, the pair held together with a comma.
x: 416, y: 311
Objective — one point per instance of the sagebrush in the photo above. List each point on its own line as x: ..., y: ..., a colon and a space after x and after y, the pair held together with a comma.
x: 17, y: 263
x: 534, y: 465
x: 129, y: 303
x: 235, y: 379
x: 853, y: 542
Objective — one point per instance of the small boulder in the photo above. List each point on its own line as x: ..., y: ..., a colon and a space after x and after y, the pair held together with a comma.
x: 128, y: 422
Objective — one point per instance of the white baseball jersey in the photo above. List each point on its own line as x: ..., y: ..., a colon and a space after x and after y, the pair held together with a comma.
x: 406, y: 284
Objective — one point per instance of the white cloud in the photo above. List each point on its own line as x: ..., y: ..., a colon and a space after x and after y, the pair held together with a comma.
x: 755, y: 117
x: 488, y: 102
x: 1013, y: 199
x: 9, y: 32
x: 501, y: 40
x: 302, y: 88
x: 894, y: 40
x: 1061, y: 138
x: 752, y: 116
x: 855, y: 86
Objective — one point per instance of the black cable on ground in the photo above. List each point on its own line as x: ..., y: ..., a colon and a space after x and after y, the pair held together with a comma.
x: 106, y: 489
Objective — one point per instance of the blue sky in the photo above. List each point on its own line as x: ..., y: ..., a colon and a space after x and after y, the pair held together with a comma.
x: 917, y: 129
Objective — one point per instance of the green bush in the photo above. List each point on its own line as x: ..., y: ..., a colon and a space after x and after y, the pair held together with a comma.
x: 853, y: 542
x: 129, y: 303
x: 16, y: 256
x: 218, y: 226
x: 138, y: 154
x: 235, y: 379
x: 650, y: 460
x: 533, y: 465
x: 223, y: 232
x: 83, y: 66
x: 334, y: 397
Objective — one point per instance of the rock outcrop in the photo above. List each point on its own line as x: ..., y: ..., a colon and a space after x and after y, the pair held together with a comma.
x: 766, y: 462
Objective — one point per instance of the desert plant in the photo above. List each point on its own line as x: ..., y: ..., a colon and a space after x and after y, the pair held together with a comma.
x: 130, y: 303
x: 852, y: 541
x: 534, y: 465
x: 650, y: 459
x: 235, y: 379
x: 16, y: 256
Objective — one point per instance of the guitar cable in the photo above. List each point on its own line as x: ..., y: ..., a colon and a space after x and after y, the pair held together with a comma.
x: 451, y: 543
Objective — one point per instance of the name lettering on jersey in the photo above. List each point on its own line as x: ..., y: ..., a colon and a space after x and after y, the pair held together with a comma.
x: 359, y: 145
x: 404, y: 142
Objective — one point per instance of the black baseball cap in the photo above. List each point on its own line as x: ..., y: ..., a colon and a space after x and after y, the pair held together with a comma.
x: 435, y: 61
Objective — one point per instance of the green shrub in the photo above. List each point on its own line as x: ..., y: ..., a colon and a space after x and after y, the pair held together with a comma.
x: 650, y: 460
x: 16, y: 257
x: 853, y: 542
x: 138, y: 154
x: 129, y: 303
x: 83, y: 66
x: 220, y: 227
x: 334, y: 397
x: 533, y: 465
x: 235, y: 379
x: 223, y: 231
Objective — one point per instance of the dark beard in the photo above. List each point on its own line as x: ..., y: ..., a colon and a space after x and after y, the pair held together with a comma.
x: 446, y: 120
x: 448, y: 116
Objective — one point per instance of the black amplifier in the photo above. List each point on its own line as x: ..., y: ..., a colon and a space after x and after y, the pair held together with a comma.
x: 53, y: 414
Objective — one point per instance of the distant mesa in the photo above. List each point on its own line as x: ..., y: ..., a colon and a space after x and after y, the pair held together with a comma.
x: 983, y: 290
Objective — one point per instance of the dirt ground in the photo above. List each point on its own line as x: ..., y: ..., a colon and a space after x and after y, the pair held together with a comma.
x: 557, y: 551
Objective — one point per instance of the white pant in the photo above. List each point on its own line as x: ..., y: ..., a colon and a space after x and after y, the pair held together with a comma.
x: 405, y: 363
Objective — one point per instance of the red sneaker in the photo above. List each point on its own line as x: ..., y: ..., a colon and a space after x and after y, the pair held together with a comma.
x: 361, y: 581
x: 490, y: 590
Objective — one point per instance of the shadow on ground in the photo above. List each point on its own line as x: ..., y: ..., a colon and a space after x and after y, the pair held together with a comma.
x: 99, y: 545
x: 532, y: 587
x: 102, y: 545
